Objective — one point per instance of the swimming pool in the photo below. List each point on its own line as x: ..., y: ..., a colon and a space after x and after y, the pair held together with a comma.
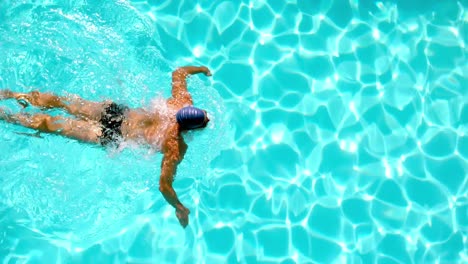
x: 339, y: 132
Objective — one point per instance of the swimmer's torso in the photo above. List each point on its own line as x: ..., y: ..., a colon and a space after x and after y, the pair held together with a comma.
x: 148, y: 127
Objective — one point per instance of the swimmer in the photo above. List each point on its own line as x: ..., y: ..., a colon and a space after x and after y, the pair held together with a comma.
x: 108, y: 123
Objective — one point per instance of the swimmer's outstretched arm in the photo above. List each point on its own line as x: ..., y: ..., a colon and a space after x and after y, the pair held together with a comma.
x: 174, y: 151
x: 179, y: 83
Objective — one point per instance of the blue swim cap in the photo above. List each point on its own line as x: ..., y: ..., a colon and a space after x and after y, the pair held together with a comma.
x: 190, y: 117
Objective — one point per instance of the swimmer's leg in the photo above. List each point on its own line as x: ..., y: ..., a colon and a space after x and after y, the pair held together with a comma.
x: 82, y: 108
x: 43, y: 100
x: 72, y: 104
x: 86, y: 131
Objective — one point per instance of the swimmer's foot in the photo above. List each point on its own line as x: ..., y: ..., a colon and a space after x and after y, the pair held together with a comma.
x: 6, y: 94
x: 4, y: 115
x: 20, y: 97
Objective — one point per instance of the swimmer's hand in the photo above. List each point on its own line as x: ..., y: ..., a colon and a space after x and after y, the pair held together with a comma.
x: 190, y: 70
x: 182, y: 214
x: 205, y: 70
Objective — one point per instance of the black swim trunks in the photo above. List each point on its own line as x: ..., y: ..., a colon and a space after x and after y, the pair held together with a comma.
x: 111, y: 123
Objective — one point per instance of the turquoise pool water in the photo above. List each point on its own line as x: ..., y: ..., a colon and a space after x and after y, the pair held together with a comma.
x: 339, y: 132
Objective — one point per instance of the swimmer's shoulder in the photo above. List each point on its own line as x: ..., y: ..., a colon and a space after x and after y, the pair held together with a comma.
x: 173, y: 141
x: 178, y: 103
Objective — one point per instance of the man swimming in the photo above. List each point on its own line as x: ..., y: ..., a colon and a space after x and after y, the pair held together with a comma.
x: 107, y: 123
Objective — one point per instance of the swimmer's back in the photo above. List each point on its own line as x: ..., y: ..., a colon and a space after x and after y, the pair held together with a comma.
x: 141, y: 125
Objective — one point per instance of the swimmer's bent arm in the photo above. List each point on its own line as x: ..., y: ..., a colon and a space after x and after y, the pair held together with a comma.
x: 179, y: 83
x: 173, y: 154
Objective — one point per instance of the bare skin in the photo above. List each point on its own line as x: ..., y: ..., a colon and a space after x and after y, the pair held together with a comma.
x: 139, y: 125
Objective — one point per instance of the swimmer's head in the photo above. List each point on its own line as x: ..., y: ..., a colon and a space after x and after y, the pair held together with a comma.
x: 191, y: 117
